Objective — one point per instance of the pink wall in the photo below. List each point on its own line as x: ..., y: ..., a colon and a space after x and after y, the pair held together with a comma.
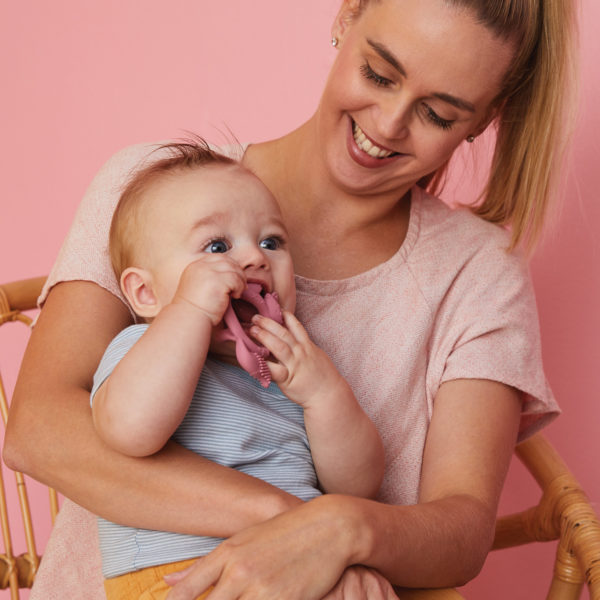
x: 82, y: 79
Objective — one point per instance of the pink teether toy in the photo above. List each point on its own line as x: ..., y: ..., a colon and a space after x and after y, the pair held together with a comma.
x: 250, y: 355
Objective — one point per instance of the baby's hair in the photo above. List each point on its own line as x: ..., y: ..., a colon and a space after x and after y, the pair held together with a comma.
x: 180, y: 156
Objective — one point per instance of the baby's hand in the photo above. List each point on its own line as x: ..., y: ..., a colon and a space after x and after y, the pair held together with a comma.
x: 208, y: 284
x: 303, y: 371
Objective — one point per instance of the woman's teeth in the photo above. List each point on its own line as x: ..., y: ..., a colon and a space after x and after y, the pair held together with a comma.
x: 367, y: 146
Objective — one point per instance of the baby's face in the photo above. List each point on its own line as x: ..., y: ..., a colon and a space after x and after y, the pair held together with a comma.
x: 217, y: 208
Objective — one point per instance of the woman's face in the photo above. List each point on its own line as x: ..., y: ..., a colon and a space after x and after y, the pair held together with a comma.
x: 412, y: 79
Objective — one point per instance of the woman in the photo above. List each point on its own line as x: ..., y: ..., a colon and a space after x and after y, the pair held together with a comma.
x: 422, y: 309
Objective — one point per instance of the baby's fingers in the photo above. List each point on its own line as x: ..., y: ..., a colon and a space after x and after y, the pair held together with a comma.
x: 279, y: 372
x: 272, y: 329
x: 275, y: 338
x: 295, y: 328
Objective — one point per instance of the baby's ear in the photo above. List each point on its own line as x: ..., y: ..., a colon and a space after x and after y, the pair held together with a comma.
x: 137, y: 287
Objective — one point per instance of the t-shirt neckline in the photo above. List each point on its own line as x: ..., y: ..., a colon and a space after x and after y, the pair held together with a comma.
x: 329, y: 287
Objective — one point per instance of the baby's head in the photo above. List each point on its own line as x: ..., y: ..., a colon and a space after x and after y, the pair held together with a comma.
x: 191, y: 202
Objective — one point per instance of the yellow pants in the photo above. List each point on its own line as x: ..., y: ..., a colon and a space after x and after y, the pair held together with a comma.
x: 147, y: 584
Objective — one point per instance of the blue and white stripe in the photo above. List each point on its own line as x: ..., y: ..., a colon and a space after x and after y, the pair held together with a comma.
x: 233, y: 421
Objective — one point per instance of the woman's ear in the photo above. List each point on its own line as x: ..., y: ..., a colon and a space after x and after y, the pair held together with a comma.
x: 349, y: 10
x: 492, y: 114
x: 137, y: 287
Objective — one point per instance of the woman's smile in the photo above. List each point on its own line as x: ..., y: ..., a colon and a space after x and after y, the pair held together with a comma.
x: 365, y: 151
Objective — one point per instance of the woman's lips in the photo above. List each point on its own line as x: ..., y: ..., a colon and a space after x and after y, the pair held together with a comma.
x: 365, y: 152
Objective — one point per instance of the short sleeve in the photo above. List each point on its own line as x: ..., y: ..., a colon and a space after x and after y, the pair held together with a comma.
x: 114, y: 353
x: 489, y: 329
x: 84, y: 252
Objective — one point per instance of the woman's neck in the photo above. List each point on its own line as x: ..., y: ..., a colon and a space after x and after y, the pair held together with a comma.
x: 333, y: 233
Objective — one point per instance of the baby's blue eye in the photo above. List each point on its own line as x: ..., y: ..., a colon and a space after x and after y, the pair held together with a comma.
x: 271, y: 243
x: 217, y: 246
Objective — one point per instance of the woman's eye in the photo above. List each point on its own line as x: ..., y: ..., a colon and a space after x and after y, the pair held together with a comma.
x: 271, y: 243
x: 217, y: 246
x: 377, y: 79
x: 435, y: 118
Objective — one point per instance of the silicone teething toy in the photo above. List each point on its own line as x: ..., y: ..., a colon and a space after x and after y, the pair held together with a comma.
x: 250, y: 355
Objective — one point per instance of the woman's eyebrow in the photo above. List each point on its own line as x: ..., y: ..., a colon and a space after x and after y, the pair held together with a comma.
x: 458, y: 102
x: 389, y: 57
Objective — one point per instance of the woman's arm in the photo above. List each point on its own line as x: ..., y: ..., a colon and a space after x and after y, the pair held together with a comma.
x: 442, y: 541
x: 467, y: 454
x: 51, y: 437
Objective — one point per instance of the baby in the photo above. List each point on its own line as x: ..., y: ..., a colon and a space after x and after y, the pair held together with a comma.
x: 219, y: 363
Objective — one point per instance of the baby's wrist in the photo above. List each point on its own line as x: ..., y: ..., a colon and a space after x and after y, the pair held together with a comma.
x: 190, y: 313
x: 330, y: 395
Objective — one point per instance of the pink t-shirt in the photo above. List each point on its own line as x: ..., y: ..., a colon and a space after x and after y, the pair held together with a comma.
x: 451, y: 303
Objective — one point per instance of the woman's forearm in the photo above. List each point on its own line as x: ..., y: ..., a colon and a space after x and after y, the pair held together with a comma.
x: 303, y: 552
x: 438, y: 544
x: 51, y: 436
x: 443, y: 540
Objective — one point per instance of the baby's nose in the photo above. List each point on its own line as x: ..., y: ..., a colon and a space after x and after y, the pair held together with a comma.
x: 252, y: 256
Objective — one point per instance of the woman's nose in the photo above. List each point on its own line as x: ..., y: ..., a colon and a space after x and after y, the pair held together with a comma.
x: 394, y: 118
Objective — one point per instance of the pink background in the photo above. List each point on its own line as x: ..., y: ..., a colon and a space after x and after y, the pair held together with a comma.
x: 83, y: 79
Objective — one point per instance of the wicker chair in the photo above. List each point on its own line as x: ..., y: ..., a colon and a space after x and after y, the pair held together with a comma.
x: 564, y: 512
x: 19, y: 571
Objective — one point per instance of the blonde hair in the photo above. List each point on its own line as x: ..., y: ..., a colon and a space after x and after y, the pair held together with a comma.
x: 534, y: 112
x: 126, y: 223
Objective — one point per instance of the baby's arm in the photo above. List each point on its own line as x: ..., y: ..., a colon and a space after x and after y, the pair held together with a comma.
x: 139, y: 406
x: 345, y: 445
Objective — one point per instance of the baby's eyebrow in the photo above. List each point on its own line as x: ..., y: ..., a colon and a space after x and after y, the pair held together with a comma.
x: 277, y: 221
x: 214, y: 218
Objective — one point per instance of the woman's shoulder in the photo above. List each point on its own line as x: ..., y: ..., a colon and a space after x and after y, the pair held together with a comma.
x: 456, y: 248
x: 458, y: 224
x: 453, y: 237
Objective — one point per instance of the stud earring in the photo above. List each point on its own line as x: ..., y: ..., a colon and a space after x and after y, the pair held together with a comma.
x: 470, y: 139
x: 334, y: 42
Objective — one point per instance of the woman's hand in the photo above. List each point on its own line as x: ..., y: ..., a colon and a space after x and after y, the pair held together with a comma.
x: 299, y: 555
x: 356, y: 583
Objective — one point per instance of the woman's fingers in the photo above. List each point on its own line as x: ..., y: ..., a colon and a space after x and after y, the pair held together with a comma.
x: 191, y: 582
x: 173, y: 578
x: 295, y: 556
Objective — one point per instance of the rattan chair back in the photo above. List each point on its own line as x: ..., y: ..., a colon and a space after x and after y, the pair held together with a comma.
x: 564, y: 513
x: 18, y: 571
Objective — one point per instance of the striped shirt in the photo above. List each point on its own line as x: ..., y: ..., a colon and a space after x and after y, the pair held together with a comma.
x: 232, y: 420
